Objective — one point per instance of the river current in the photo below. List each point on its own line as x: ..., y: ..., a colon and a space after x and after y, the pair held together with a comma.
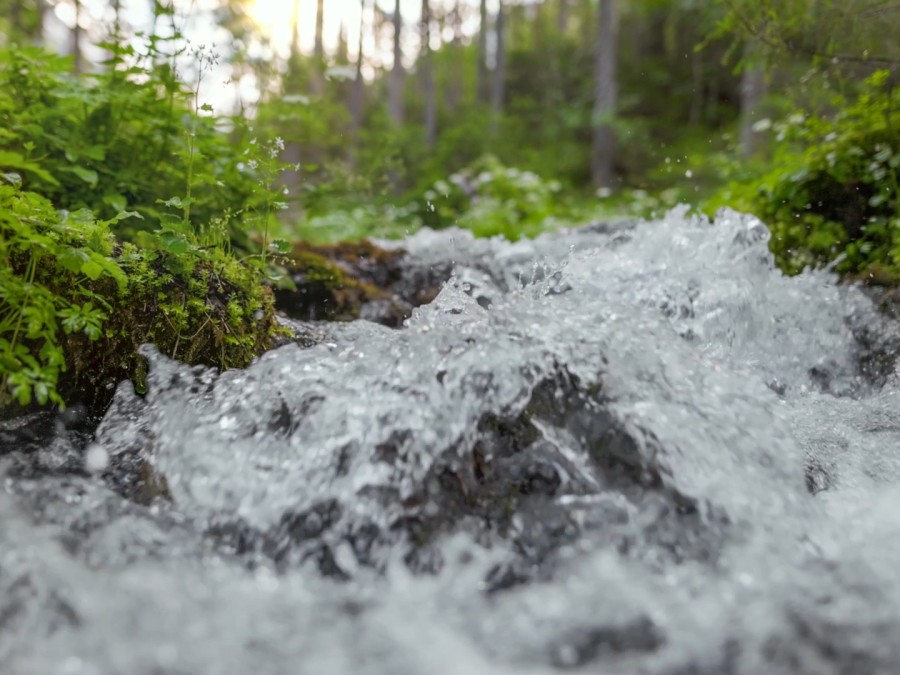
x: 633, y: 448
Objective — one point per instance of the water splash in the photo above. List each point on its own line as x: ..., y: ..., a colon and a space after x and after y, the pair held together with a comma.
x: 630, y: 448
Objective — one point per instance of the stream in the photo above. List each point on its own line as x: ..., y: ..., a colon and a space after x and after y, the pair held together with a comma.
x: 631, y: 448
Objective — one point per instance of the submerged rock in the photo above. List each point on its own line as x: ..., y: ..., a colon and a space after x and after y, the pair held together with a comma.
x: 611, y: 450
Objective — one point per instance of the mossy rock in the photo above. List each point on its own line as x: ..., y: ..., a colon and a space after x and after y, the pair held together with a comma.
x: 76, y: 303
x: 337, y: 282
x: 217, y: 314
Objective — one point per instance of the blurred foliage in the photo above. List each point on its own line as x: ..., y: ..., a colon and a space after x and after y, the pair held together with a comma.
x: 489, y: 198
x: 128, y: 214
x: 90, y: 142
x: 76, y: 303
x: 41, y: 253
x: 832, y: 192
x: 129, y: 158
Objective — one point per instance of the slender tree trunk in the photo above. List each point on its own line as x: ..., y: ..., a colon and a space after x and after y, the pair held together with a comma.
x: 481, y: 81
x: 356, y: 100
x: 319, y: 48
x: 358, y: 93
x: 605, y: 96
x: 753, y: 89
x: 293, y: 153
x: 587, y: 25
x: 562, y: 19
x: 428, y: 78
x: 295, y: 30
x: 497, y: 88
x: 117, y: 21
x: 76, y: 38
x: 454, y: 90
x: 398, y: 74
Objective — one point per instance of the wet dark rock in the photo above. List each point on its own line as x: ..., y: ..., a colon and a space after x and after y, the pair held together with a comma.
x: 351, y: 280
x: 234, y: 536
x: 817, y: 644
x: 23, y: 597
x: 591, y: 644
x: 504, y: 576
x: 300, y: 527
x: 521, y: 487
x: 494, y: 490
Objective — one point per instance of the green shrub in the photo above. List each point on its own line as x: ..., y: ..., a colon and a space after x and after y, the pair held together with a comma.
x: 832, y: 195
x: 83, y: 282
x: 490, y: 199
x: 130, y: 137
x: 47, y: 261
x: 75, y: 304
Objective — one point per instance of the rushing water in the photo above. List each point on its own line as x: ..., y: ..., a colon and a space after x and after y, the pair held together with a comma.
x: 636, y: 449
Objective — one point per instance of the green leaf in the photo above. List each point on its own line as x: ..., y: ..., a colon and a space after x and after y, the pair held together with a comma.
x: 14, y: 160
x: 122, y: 215
x: 89, y: 176
x: 92, y: 270
x: 280, y: 246
x: 171, y: 223
x: 116, y: 201
x: 172, y: 202
x: 176, y: 202
x: 173, y: 242
x: 73, y: 258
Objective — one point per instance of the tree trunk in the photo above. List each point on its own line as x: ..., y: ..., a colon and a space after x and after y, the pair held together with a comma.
x: 343, y: 49
x: 357, y: 95
x: 587, y: 25
x: 117, y: 20
x: 454, y: 90
x: 562, y: 19
x: 356, y: 100
x: 428, y: 78
x: 497, y: 88
x: 753, y: 89
x: 481, y: 81
x: 295, y: 30
x: 398, y: 74
x: 319, y: 48
x: 76, y: 38
x: 605, y: 97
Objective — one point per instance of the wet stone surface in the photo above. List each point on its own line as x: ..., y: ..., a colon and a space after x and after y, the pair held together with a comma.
x: 623, y: 449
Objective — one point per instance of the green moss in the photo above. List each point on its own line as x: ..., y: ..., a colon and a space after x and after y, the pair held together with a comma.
x: 330, y: 284
x: 218, y: 315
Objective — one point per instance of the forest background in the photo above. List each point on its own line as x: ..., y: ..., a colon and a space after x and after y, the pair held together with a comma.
x: 241, y: 127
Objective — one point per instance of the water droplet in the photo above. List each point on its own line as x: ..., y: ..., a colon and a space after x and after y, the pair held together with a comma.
x: 96, y: 459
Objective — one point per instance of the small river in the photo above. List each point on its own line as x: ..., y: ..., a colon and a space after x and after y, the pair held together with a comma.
x: 622, y: 449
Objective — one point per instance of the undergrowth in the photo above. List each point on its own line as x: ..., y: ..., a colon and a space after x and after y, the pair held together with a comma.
x: 128, y: 214
x: 831, y: 195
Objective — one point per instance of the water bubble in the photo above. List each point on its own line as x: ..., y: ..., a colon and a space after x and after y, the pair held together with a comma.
x: 96, y: 458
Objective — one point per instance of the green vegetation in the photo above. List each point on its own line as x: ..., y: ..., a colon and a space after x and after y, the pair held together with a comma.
x: 75, y: 303
x: 833, y: 192
x: 126, y: 216
x: 131, y: 211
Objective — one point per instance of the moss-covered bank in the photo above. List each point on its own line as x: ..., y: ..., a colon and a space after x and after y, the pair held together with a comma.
x: 75, y: 303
